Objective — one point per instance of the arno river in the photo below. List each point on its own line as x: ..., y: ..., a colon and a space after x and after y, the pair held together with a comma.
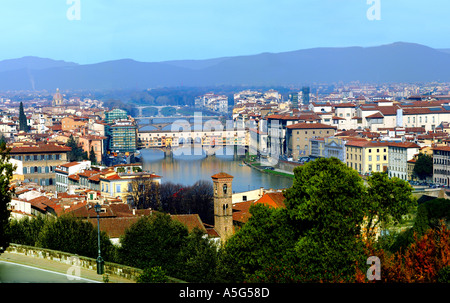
x: 191, y: 167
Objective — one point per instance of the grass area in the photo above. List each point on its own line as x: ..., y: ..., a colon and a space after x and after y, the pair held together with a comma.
x: 278, y: 173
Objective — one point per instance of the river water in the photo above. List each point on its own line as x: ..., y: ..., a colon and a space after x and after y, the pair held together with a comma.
x: 187, y: 168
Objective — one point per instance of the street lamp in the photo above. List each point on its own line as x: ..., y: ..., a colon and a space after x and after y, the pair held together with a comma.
x: 100, y: 262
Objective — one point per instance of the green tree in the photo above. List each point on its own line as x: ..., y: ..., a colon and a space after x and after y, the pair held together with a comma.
x: 266, y: 241
x: 73, y: 235
x: 152, y: 275
x: 198, y: 258
x: 6, y: 173
x: 319, y: 235
x: 76, y: 153
x: 154, y: 240
x: 430, y: 215
x: 387, y: 201
x: 327, y: 201
x: 423, y: 167
x: 26, y: 230
x: 23, y: 125
x: 92, y: 156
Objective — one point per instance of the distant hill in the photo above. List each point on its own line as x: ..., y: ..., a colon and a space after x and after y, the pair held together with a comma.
x: 397, y: 62
x: 32, y: 63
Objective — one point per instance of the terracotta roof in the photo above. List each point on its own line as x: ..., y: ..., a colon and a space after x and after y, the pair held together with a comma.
x: 311, y: 126
x: 221, y: 175
x: 241, y: 210
x: 191, y: 221
x: 376, y: 115
x: 344, y: 105
x: 275, y: 199
x: 360, y: 143
x: 39, y: 148
x: 114, y: 227
x: 442, y: 148
x: 404, y: 144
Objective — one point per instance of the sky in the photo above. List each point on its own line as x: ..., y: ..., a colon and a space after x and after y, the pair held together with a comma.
x: 92, y: 31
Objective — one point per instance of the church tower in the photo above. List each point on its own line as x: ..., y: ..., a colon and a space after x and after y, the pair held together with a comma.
x: 223, y: 207
x: 57, y: 98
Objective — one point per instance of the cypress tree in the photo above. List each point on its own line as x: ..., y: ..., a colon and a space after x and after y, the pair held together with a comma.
x: 22, y: 119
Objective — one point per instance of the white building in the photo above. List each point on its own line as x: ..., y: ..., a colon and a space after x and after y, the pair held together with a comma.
x: 64, y: 171
x: 398, y: 156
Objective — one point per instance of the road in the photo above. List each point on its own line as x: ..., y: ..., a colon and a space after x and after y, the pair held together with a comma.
x: 20, y: 268
x: 19, y: 273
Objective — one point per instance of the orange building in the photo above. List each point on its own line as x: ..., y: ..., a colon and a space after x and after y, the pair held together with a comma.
x: 72, y: 123
x: 96, y: 142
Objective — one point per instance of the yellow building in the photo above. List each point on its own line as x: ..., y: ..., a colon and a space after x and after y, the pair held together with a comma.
x: 118, y: 185
x: 367, y: 156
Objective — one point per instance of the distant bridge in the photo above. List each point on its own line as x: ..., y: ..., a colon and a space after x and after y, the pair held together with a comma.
x: 140, y: 108
x: 172, y: 119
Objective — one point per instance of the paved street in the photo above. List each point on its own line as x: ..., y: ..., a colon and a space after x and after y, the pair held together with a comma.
x: 16, y: 268
x: 18, y: 273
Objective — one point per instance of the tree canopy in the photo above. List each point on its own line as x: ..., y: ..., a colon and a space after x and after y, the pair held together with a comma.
x: 321, y: 235
x: 423, y: 167
x: 76, y: 153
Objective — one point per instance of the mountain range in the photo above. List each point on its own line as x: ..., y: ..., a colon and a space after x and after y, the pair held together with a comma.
x: 396, y: 62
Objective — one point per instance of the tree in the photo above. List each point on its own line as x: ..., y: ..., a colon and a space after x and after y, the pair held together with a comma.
x: 23, y: 125
x: 326, y: 201
x: 262, y: 250
x: 423, y: 167
x: 26, y: 230
x: 76, y: 153
x: 430, y: 215
x: 319, y: 236
x: 387, y: 201
x: 6, y: 173
x: 144, y: 193
x: 426, y: 260
x: 154, y: 240
x: 198, y: 258
x: 73, y: 235
x: 152, y: 275
x: 92, y: 156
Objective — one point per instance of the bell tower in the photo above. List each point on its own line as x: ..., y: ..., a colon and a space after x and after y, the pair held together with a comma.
x: 223, y: 207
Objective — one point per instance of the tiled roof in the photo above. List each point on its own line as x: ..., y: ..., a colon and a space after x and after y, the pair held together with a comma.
x: 310, y: 126
x: 191, y: 221
x: 275, y: 199
x: 39, y: 148
x: 221, y: 175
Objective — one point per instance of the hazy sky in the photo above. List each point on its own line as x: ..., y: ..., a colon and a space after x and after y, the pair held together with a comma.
x: 90, y: 31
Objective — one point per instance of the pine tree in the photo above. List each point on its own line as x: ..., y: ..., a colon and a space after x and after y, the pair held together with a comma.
x: 23, y: 119
x: 92, y: 156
